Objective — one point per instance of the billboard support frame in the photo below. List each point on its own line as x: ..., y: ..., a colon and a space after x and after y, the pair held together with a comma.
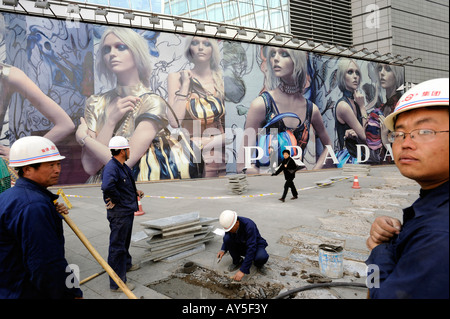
x: 89, y: 12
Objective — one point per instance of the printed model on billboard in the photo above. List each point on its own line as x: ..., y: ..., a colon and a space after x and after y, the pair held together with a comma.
x: 190, y: 106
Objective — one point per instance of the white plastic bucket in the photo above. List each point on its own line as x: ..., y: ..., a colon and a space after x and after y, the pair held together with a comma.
x: 331, y: 261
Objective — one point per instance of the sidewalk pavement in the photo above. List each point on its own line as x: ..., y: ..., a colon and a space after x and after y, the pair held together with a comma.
x: 338, y: 209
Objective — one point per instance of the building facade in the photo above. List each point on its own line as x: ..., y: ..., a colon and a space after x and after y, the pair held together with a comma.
x: 413, y: 33
x: 261, y: 14
x: 418, y: 29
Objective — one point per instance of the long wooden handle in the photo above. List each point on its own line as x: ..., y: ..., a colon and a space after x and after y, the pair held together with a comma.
x: 85, y: 280
x: 99, y: 258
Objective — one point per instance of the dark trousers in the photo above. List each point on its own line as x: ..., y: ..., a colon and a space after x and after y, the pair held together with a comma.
x: 238, y: 250
x: 290, y: 184
x: 119, y: 257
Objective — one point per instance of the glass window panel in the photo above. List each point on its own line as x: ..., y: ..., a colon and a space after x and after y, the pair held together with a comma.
x: 167, y: 7
x: 274, y: 3
x: 230, y: 10
x: 199, y: 14
x: 99, y: 2
x: 119, y: 3
x: 245, y: 8
x: 260, y: 3
x: 210, y: 2
x: 262, y: 19
x: 287, y: 23
x: 215, y: 13
x: 276, y: 18
x: 249, y: 21
x: 179, y: 7
x: 196, y: 4
x: 156, y: 6
x: 142, y: 5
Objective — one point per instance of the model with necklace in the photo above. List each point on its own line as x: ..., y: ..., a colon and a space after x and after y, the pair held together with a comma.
x: 285, y: 81
x: 130, y: 109
x: 391, y: 78
x: 350, y: 111
x: 186, y: 92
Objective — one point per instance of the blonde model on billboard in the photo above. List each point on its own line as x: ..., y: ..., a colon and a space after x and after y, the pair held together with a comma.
x: 350, y: 111
x: 14, y: 80
x: 130, y: 109
x: 391, y: 80
x: 197, y: 98
x: 285, y: 83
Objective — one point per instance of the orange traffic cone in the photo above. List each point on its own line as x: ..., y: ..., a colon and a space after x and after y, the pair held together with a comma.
x: 140, y: 212
x: 356, y: 183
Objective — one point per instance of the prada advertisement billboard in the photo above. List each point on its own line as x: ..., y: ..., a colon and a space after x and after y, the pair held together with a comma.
x: 190, y: 107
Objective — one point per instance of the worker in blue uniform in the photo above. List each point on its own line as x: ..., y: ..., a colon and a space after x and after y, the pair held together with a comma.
x: 120, y: 195
x: 242, y: 238
x: 32, y: 261
x: 411, y: 260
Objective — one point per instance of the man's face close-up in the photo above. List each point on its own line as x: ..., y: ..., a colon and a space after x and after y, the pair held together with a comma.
x: 47, y: 174
x: 425, y: 162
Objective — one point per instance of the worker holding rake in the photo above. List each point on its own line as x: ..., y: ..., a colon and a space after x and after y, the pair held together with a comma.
x: 32, y: 261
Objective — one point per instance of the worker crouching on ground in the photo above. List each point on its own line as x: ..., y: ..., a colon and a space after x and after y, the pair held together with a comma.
x: 120, y: 195
x: 32, y: 262
x: 242, y: 238
x: 412, y: 260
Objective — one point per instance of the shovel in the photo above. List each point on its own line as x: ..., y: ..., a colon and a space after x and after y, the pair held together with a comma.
x: 99, y: 258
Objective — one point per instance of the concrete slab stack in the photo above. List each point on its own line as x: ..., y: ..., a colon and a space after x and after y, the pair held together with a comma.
x: 238, y: 184
x: 174, y: 235
x: 356, y: 170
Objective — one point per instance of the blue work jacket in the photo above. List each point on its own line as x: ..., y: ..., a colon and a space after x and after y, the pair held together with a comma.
x: 32, y: 262
x: 415, y: 264
x: 118, y: 185
x: 248, y: 235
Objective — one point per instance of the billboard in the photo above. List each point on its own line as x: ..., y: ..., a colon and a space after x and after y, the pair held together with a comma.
x: 191, y: 107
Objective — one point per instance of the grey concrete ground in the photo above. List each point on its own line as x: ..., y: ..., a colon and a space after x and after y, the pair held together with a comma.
x: 293, y: 229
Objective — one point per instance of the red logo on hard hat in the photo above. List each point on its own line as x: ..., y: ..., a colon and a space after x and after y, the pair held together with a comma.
x: 409, y: 97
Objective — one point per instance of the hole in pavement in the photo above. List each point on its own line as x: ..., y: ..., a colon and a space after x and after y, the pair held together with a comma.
x: 204, y: 283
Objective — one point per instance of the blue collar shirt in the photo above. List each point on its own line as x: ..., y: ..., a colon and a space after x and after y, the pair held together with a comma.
x: 415, y: 264
x: 119, y: 186
x: 32, y: 262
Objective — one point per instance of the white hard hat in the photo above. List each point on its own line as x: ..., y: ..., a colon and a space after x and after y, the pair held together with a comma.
x: 118, y: 143
x: 228, y: 219
x: 428, y: 93
x: 32, y: 150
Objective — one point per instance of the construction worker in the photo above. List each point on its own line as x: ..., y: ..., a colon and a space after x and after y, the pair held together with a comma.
x: 120, y: 195
x: 242, y: 238
x: 32, y: 262
x: 412, y: 259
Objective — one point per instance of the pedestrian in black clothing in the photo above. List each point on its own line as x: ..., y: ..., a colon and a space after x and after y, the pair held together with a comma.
x: 289, y: 167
